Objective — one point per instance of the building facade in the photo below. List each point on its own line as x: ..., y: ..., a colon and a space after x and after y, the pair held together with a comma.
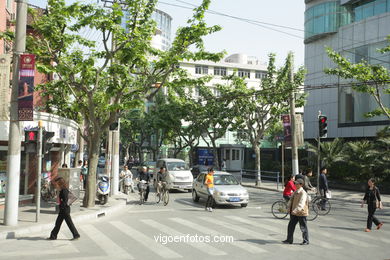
x: 356, y: 29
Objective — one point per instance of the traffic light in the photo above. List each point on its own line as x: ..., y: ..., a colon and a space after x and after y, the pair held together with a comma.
x: 322, y: 126
x: 31, y: 141
x: 46, y: 143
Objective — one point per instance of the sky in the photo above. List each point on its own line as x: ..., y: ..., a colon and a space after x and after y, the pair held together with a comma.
x: 276, y: 26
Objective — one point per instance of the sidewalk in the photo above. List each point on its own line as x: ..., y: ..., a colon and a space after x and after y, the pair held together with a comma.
x: 342, y: 195
x: 27, y: 215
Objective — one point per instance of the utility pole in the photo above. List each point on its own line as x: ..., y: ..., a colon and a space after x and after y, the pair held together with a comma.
x: 115, y: 160
x: 294, y: 148
x: 14, y: 139
x: 39, y: 171
x: 318, y: 155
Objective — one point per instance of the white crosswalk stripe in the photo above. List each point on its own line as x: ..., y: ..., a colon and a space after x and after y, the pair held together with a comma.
x: 208, y: 249
x: 145, y: 240
x: 208, y: 231
x: 106, y: 244
x: 283, y: 230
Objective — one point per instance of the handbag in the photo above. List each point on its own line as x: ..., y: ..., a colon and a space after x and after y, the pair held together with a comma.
x: 328, y: 194
x: 71, y: 198
x: 379, y: 204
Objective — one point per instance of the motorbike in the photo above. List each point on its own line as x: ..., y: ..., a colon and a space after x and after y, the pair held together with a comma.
x: 103, y: 188
x: 127, y: 184
x: 48, y: 191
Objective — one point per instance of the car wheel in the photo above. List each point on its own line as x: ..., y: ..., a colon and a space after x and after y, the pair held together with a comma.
x: 244, y: 205
x: 195, y: 196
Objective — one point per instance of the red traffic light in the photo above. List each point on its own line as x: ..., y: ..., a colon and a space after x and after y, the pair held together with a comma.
x: 323, y: 119
x: 31, y: 136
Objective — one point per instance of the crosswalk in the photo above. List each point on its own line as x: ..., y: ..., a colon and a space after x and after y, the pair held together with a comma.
x: 254, y: 236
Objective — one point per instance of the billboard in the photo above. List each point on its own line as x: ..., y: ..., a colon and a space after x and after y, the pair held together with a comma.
x: 26, y: 88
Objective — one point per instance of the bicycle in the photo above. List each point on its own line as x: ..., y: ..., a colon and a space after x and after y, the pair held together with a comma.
x: 280, y: 211
x: 142, y: 186
x: 162, y: 193
x: 321, y: 205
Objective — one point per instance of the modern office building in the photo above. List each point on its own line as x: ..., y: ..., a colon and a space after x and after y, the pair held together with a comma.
x: 356, y: 29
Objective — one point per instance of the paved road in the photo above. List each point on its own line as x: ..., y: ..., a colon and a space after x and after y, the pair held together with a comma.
x: 132, y: 234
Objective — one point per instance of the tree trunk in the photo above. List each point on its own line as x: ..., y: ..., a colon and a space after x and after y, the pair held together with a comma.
x: 256, y: 147
x: 215, y: 152
x: 93, y: 156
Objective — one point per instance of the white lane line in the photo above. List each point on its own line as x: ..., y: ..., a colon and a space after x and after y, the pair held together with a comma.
x: 206, y: 248
x: 133, y: 211
x: 159, y: 249
x: 105, y: 243
x: 208, y: 231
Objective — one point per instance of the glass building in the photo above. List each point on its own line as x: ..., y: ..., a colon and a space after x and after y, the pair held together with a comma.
x: 357, y: 30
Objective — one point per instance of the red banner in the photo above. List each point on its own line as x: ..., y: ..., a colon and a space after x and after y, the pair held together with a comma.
x: 287, y: 128
x: 26, y: 87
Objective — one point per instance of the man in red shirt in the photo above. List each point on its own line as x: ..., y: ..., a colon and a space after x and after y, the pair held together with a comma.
x: 289, y: 188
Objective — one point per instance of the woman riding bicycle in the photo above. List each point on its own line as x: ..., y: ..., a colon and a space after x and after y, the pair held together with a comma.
x: 289, y: 188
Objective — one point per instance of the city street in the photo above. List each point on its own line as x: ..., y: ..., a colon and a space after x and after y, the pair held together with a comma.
x: 148, y: 232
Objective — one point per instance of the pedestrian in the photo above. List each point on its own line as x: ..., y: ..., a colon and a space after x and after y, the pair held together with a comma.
x: 289, y: 188
x: 64, y: 213
x: 298, y: 207
x: 84, y: 173
x: 223, y: 165
x: 209, y: 181
x: 324, y: 188
x: 64, y: 165
x: 373, y: 199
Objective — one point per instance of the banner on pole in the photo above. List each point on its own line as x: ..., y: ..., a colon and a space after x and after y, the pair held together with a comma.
x: 5, y: 87
x: 26, y: 88
x: 287, y: 129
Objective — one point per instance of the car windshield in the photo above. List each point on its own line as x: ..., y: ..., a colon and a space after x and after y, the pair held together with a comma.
x: 177, y: 166
x: 225, y: 180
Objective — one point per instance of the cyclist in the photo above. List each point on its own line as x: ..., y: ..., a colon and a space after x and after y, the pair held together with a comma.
x: 289, y: 188
x: 161, y: 177
x: 126, y: 173
x: 307, y: 185
x: 144, y: 175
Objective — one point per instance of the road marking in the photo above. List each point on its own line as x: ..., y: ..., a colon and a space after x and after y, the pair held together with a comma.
x: 243, y: 245
x: 206, y: 248
x: 159, y: 249
x: 150, y: 210
x: 105, y: 243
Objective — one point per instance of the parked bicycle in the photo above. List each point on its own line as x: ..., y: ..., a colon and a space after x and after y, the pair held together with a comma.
x: 162, y: 193
x: 48, y: 191
x: 280, y: 211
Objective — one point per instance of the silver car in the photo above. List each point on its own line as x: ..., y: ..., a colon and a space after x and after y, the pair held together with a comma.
x: 227, y: 190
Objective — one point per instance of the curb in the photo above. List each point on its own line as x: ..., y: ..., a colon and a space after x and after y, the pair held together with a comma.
x: 76, y: 219
x: 385, y: 204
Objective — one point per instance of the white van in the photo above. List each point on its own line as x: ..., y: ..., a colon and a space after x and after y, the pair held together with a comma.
x: 179, y: 175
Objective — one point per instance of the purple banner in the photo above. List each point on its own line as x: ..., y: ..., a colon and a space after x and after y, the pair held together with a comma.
x: 26, y: 88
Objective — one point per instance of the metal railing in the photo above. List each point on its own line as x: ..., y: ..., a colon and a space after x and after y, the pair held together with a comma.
x: 264, y: 175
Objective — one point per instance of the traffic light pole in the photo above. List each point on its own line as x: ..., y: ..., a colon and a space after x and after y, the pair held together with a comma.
x: 39, y: 171
x: 318, y: 156
x: 14, y: 139
x: 294, y: 147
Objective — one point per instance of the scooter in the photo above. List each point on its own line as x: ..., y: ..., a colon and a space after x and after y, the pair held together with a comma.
x: 103, y: 188
x: 128, y: 184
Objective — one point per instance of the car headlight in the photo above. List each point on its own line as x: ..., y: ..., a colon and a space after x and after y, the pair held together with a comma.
x: 219, y: 193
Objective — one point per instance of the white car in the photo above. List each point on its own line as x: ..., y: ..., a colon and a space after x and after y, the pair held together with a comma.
x: 178, y: 173
x: 227, y: 190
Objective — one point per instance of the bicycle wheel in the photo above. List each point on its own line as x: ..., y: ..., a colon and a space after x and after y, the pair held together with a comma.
x: 157, y: 197
x: 166, y: 197
x: 312, y: 214
x: 321, y: 206
x: 279, y: 209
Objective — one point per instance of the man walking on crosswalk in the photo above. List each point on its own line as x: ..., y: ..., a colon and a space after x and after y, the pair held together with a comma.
x: 298, y: 207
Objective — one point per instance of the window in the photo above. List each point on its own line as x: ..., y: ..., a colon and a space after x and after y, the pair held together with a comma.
x: 235, y: 155
x: 260, y: 74
x: 201, y: 69
x: 220, y: 71
x: 361, y: 54
x: 9, y: 5
x: 244, y: 73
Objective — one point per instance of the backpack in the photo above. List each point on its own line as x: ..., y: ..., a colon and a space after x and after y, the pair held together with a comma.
x: 71, y: 198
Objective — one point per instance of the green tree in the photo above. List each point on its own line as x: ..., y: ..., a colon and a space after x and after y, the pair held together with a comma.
x: 257, y: 111
x: 98, y: 84
x: 368, y: 78
x: 331, y: 153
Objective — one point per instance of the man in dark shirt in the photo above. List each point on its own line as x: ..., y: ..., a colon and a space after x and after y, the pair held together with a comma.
x: 145, y: 176
x: 323, y: 183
